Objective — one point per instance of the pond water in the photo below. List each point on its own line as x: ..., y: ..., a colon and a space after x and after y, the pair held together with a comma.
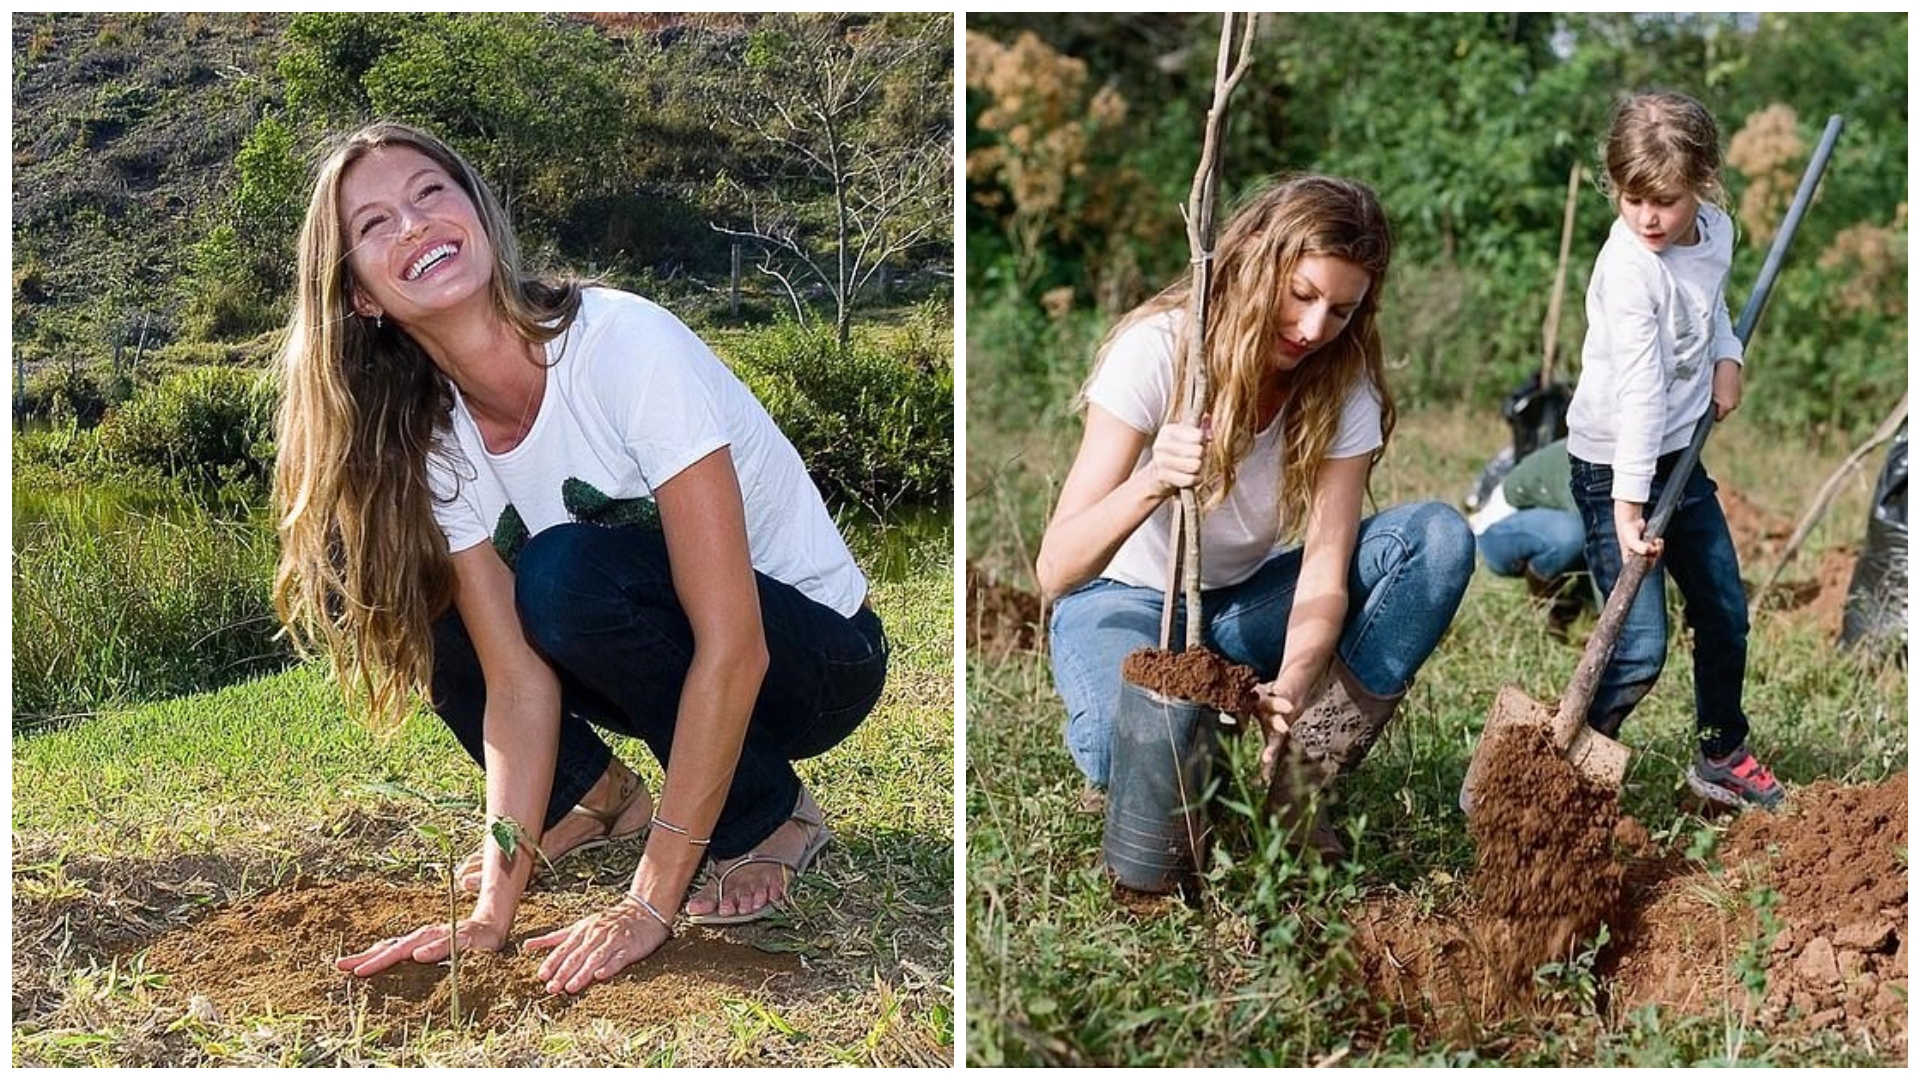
x: 905, y: 544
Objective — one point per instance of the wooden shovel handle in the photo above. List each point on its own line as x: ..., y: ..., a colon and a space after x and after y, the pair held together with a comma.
x: 1572, y: 714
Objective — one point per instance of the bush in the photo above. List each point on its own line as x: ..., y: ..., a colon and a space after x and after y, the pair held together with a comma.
x: 205, y: 425
x: 874, y: 424
x: 68, y: 392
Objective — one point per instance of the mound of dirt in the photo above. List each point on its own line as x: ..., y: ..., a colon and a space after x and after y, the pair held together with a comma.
x: 1837, y: 861
x: 275, y: 954
x: 1000, y: 618
x: 1194, y: 675
x: 1684, y: 936
x: 1760, y: 536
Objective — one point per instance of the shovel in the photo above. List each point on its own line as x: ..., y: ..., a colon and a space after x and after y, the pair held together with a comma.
x: 1600, y: 760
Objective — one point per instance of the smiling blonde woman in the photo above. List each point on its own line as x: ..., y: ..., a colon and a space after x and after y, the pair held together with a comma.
x: 546, y: 506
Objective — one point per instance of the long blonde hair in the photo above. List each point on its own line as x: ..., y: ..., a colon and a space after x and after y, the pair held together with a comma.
x: 1253, y: 261
x: 1657, y: 142
x: 364, y: 568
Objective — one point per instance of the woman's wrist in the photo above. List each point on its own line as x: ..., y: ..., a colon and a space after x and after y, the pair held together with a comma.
x: 646, y: 909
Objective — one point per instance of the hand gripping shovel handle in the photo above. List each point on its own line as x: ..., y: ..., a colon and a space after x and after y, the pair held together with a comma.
x: 1606, y: 633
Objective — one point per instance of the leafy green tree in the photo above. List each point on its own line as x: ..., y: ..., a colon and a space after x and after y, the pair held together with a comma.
x: 534, y: 100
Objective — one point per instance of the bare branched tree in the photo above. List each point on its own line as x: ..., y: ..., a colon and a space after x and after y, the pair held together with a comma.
x: 856, y: 111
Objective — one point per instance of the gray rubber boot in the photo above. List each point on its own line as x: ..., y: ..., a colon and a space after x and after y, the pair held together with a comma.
x: 1329, y: 737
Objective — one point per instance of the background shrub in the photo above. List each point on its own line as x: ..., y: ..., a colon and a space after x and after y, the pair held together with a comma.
x: 207, y: 425
x: 134, y: 606
x: 874, y: 423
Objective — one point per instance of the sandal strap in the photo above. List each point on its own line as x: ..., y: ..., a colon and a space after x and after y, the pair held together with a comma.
x: 629, y: 789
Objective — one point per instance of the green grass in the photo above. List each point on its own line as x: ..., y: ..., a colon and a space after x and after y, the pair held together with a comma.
x: 222, y: 795
x: 1256, y: 971
x: 119, y: 597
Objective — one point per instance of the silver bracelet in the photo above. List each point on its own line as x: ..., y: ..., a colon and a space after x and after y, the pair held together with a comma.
x: 651, y: 910
x: 662, y: 823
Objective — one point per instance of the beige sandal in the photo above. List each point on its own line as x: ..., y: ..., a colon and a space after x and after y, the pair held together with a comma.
x: 631, y: 789
x: 813, y: 825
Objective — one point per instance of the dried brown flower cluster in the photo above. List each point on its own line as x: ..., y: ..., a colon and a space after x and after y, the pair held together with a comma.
x: 1046, y: 160
x: 1770, y: 153
x: 1873, y: 259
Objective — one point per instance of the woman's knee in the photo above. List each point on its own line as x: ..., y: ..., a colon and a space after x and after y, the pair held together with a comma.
x: 1441, y: 541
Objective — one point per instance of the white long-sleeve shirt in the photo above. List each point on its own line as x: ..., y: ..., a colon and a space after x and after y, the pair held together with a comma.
x: 1656, y: 325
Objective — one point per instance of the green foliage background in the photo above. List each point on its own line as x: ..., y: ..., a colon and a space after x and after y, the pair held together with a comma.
x: 161, y: 160
x: 1468, y: 126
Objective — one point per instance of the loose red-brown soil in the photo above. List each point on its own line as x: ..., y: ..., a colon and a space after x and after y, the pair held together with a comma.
x: 1544, y: 868
x: 1816, y: 589
x: 1001, y: 619
x: 274, y: 954
x: 1834, y: 859
x: 1193, y: 675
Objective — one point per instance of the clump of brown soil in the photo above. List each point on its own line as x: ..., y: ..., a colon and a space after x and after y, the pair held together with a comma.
x: 1544, y: 866
x: 1837, y: 861
x: 1758, y: 533
x: 1194, y: 675
x: 1001, y: 619
x: 1683, y: 933
x: 275, y: 954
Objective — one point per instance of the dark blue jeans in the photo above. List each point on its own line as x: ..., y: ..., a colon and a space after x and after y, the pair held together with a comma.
x: 599, y: 604
x: 1700, y: 557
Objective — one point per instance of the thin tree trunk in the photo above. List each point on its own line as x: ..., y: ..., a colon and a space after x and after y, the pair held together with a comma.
x: 1199, y: 215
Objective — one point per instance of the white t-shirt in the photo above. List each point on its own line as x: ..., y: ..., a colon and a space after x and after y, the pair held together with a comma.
x: 1656, y: 324
x: 1135, y: 384
x: 633, y: 397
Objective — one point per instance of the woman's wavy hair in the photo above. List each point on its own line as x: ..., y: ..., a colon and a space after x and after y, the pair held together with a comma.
x: 1659, y: 142
x: 364, y: 568
x: 1253, y: 263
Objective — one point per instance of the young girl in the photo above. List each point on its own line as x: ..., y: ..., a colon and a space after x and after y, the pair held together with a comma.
x: 1659, y: 352
x: 549, y: 506
x: 1297, y: 415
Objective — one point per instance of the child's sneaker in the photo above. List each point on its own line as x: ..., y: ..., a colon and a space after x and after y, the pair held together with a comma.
x: 1740, y: 780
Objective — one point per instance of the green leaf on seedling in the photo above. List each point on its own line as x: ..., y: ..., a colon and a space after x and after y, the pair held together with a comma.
x: 507, y: 834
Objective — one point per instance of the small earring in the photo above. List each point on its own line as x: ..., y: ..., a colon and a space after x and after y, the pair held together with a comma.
x: 380, y: 321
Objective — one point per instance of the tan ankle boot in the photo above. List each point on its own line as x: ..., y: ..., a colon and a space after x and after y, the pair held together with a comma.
x: 1329, y: 736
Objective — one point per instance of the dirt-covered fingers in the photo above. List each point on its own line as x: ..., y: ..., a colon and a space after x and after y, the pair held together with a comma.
x: 1273, y: 710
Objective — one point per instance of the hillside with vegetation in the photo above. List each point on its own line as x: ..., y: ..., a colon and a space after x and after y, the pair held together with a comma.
x: 160, y: 160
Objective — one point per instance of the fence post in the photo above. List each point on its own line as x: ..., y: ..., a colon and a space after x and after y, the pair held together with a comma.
x: 734, y: 291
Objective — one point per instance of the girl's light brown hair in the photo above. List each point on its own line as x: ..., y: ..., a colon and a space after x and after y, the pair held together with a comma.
x: 364, y: 568
x: 1662, y: 142
x: 1253, y: 262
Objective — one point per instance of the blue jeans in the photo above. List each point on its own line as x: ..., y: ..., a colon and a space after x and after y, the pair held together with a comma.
x: 599, y: 604
x: 1700, y: 557
x: 1546, y: 541
x: 1410, y: 568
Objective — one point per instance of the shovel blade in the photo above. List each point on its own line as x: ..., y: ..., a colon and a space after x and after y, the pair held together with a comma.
x: 1597, y: 758
x: 1601, y: 760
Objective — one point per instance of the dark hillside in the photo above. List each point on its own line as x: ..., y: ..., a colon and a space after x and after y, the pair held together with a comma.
x: 124, y: 132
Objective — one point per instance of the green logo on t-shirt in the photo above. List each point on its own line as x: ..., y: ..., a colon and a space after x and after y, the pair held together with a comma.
x: 587, y: 505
